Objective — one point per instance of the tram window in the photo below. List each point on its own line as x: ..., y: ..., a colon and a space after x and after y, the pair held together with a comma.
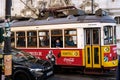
x: 43, y: 38
x: 96, y: 57
x: 117, y: 18
x: 95, y: 36
x: 20, y: 37
x: 32, y: 38
x: 56, y: 38
x: 108, y: 35
x: 56, y: 32
x: 12, y: 39
x: 70, y: 38
x: 115, y: 34
x: 88, y: 36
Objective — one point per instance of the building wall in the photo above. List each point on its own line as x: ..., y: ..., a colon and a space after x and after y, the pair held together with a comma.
x: 17, y: 6
x: 2, y: 8
x: 112, y: 6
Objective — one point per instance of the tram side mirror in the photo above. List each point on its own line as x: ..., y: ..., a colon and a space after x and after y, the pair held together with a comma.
x: 101, y: 12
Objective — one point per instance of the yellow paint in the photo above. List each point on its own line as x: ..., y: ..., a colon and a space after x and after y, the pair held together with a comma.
x: 90, y: 54
x: 88, y: 65
x: 70, y: 53
x: 83, y: 55
x: 113, y: 63
x: 98, y: 65
x: 102, y: 55
x: 106, y: 49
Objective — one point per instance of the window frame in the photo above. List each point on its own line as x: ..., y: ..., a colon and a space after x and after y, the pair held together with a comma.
x: 47, y: 36
x: 32, y: 37
x: 54, y: 37
x: 17, y: 37
x: 110, y: 35
x: 70, y: 35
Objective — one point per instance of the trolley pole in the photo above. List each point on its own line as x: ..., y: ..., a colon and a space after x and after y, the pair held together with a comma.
x: 92, y: 8
x: 7, y: 40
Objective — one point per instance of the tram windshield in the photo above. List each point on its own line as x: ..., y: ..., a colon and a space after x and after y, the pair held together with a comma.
x: 109, y: 35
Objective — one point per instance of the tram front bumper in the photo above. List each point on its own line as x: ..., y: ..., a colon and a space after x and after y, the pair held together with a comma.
x: 111, y: 64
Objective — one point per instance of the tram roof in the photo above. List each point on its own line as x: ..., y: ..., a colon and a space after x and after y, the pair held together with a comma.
x: 67, y: 20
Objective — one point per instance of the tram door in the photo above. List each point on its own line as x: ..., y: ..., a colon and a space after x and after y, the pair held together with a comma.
x: 92, y: 47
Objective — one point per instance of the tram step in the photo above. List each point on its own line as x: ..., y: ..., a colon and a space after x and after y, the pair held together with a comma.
x: 93, y: 71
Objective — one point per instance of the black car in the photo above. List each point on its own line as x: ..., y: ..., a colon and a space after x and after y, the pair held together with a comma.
x: 27, y: 67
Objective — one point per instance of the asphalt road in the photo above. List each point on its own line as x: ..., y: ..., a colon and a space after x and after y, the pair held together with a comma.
x: 78, y: 76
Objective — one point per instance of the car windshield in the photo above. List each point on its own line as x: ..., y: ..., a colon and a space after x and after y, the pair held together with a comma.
x: 19, y: 55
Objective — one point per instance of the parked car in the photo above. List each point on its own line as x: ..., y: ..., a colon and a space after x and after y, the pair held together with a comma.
x: 27, y: 67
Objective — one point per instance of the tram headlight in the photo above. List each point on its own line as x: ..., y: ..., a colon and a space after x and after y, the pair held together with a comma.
x: 106, y: 49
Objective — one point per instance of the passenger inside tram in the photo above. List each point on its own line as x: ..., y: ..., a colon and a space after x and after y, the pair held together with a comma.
x: 70, y: 42
x: 33, y: 42
x: 44, y: 41
x: 58, y: 43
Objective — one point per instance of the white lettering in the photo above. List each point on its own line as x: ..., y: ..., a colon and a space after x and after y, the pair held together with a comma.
x: 68, y: 60
x: 114, y: 50
x: 36, y: 53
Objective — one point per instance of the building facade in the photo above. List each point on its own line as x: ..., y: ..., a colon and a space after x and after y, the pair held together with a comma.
x: 2, y: 8
x: 111, y: 6
x: 30, y: 8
